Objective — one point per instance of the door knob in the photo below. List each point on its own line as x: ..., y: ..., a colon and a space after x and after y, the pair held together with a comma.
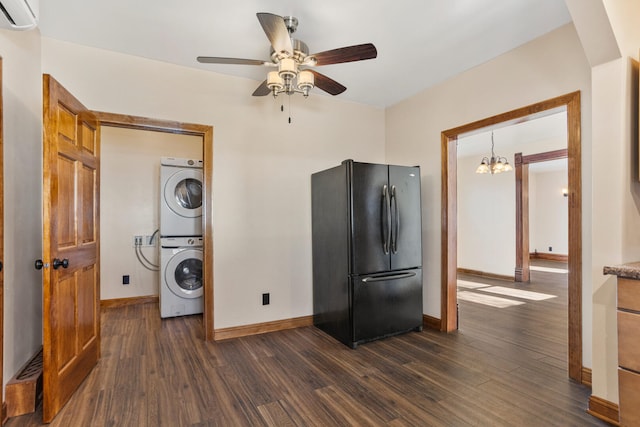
x: 57, y: 263
x: 39, y: 264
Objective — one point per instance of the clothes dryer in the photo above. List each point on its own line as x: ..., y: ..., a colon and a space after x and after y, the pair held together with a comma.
x: 180, y: 276
x: 180, y: 197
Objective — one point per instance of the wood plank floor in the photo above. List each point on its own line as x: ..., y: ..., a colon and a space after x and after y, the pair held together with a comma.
x: 504, y: 367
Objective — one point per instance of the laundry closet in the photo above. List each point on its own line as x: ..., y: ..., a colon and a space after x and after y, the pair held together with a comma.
x: 130, y: 200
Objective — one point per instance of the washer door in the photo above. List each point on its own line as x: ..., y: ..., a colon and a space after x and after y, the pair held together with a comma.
x: 183, y: 273
x: 183, y: 192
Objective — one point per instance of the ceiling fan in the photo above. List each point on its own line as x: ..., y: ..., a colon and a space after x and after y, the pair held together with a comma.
x: 294, y: 63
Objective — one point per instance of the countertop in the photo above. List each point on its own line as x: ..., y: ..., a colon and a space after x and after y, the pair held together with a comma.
x: 628, y: 271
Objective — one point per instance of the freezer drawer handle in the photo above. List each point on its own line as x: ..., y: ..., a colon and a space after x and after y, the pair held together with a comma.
x: 388, y: 277
x: 395, y: 227
x: 386, y: 220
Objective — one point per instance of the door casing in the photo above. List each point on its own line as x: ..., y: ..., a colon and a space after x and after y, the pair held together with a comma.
x: 206, y: 133
x: 521, y: 164
x: 4, y: 409
x: 571, y: 104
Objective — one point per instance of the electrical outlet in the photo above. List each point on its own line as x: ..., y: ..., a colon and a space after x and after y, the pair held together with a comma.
x: 142, y: 240
x: 125, y: 279
x: 265, y: 299
x: 550, y: 249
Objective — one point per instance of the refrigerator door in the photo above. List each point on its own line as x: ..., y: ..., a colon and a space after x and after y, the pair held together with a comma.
x: 386, y: 304
x: 370, y: 218
x: 406, y: 220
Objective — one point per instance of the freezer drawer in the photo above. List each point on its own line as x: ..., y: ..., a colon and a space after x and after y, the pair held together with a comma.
x: 386, y: 304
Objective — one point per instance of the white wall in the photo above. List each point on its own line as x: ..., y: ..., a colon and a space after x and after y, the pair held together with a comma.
x: 486, y: 218
x: 616, y: 191
x: 487, y: 211
x: 545, y: 68
x: 22, y: 111
x: 548, y: 213
x: 486, y: 204
x: 129, y: 203
x: 261, y: 171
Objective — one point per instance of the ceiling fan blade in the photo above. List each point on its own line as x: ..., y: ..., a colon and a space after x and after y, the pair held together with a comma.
x: 327, y: 84
x: 232, y: 61
x: 358, y: 52
x: 276, y: 31
x: 262, y: 90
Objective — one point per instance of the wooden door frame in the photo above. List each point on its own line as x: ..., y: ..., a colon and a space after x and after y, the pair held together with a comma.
x: 521, y: 164
x: 206, y: 133
x: 571, y: 104
x: 4, y: 405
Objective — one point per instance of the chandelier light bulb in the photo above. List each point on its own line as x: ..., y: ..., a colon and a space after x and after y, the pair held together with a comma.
x: 484, y: 167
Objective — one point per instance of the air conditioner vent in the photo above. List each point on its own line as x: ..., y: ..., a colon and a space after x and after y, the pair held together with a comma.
x: 19, y: 14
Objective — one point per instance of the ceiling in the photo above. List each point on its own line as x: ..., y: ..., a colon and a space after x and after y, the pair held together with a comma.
x: 528, y: 137
x: 420, y: 42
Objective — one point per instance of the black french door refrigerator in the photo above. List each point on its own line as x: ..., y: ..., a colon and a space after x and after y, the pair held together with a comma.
x: 367, y: 251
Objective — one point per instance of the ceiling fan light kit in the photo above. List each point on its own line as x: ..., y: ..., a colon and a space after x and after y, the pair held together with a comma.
x: 274, y: 81
x: 305, y: 82
x: 291, y: 57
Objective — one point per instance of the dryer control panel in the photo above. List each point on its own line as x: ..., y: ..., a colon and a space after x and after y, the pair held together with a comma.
x: 181, y: 242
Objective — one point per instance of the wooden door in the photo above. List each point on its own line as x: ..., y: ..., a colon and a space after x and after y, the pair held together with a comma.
x: 71, y: 291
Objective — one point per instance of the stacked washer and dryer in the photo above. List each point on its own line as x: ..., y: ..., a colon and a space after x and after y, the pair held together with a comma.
x: 180, y: 237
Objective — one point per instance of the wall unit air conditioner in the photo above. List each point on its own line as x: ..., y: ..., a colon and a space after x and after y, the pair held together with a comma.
x: 18, y: 14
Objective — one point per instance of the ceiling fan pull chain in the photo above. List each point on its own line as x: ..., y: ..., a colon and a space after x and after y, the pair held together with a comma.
x: 289, y: 109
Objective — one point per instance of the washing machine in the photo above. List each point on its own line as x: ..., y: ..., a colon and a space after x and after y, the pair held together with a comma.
x: 180, y: 276
x: 180, y: 197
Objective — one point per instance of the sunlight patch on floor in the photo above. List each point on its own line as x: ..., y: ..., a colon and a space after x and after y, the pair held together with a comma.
x: 487, y: 299
x: 548, y: 269
x: 471, y: 285
x: 518, y: 293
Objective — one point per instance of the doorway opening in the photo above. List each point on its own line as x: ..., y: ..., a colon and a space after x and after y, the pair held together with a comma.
x: 570, y: 103
x: 523, y: 167
x: 206, y: 133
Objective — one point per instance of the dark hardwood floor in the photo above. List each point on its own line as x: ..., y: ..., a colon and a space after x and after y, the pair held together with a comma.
x: 504, y: 367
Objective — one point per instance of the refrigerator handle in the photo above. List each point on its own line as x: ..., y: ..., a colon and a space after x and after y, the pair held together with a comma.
x: 395, y: 227
x: 382, y: 278
x: 386, y: 220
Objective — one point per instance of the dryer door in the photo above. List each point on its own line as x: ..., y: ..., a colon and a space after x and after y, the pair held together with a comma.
x: 183, y: 193
x: 183, y: 273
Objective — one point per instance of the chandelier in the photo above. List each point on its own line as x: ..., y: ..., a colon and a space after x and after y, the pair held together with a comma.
x: 495, y: 164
